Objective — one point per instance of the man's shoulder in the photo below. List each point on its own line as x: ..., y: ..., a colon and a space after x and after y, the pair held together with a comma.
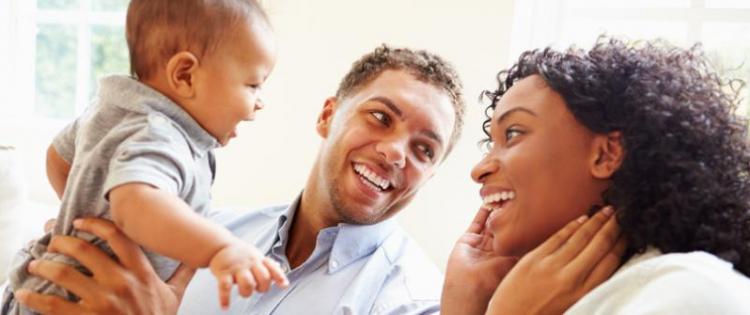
x: 243, y: 221
x: 402, y: 250
x: 414, y: 284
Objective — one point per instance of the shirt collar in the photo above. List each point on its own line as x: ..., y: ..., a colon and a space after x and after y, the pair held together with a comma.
x: 135, y: 96
x: 350, y: 241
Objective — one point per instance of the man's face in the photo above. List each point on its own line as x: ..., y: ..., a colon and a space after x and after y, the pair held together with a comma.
x: 381, y: 144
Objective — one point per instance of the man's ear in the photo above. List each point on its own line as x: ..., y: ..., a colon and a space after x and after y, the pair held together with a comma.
x: 608, y: 154
x: 325, y: 119
x: 181, y: 70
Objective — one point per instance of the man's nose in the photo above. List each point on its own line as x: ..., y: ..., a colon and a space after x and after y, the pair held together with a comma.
x: 394, y: 151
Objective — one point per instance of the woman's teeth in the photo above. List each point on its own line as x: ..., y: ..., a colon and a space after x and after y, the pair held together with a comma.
x: 491, y: 201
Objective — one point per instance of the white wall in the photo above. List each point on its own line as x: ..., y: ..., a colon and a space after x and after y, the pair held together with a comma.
x: 270, y: 160
x: 319, y: 39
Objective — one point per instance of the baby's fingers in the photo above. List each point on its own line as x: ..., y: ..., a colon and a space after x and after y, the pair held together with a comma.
x: 262, y: 276
x: 277, y: 274
x: 245, y: 282
x: 225, y: 283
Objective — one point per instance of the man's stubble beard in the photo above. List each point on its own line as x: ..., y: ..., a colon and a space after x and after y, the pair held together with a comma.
x: 340, y: 209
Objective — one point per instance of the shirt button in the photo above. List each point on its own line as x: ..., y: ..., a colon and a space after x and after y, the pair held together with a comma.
x: 334, y: 264
x: 285, y: 268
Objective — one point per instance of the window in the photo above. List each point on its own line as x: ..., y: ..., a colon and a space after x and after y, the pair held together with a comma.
x: 722, y: 26
x: 77, y: 41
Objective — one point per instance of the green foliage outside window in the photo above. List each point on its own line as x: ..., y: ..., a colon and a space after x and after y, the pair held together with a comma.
x: 109, y: 54
x: 55, y: 74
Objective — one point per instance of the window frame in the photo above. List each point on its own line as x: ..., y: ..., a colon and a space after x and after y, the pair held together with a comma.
x: 540, y: 23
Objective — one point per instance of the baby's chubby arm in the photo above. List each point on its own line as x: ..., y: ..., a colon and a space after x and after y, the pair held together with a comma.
x: 165, y: 224
x: 57, y: 171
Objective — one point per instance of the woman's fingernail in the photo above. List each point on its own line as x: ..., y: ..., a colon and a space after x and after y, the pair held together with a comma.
x: 582, y: 218
x: 77, y: 223
x: 608, y: 210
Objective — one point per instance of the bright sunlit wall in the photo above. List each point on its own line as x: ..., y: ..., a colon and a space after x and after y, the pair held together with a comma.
x: 60, y: 47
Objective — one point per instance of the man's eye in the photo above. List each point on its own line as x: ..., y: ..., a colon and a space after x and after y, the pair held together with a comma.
x: 382, y: 117
x: 426, y: 150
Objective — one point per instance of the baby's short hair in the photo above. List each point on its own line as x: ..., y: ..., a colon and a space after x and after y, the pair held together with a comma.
x: 158, y: 29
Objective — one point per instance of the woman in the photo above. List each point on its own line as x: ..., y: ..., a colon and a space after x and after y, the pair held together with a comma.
x: 647, y: 128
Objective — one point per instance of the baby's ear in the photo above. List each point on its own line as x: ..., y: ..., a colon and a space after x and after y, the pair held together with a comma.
x: 181, y: 69
x: 325, y: 119
x: 608, y: 153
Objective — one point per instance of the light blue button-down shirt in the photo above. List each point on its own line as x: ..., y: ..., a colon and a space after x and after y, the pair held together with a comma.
x: 354, y: 269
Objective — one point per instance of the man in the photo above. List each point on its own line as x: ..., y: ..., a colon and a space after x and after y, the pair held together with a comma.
x: 394, y: 119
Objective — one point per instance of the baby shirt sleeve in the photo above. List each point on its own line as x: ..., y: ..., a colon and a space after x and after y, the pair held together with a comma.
x: 157, y: 155
x: 65, y: 141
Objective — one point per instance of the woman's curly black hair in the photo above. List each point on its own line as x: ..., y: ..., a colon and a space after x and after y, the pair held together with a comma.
x: 684, y: 184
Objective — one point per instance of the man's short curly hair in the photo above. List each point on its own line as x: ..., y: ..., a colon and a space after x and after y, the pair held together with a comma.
x: 684, y: 183
x: 425, y: 66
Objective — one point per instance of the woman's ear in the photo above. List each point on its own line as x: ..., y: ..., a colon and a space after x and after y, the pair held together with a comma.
x: 326, y: 116
x: 608, y: 154
x: 181, y: 70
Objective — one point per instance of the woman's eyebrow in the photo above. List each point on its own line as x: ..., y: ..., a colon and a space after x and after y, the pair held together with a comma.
x: 507, y: 114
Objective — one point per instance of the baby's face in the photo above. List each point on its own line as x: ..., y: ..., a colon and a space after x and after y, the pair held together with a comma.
x: 232, y: 75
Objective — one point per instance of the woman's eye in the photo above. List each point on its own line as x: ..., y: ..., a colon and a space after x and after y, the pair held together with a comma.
x: 382, y: 117
x: 511, y: 133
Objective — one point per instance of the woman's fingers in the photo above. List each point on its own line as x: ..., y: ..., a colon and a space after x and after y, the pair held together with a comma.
x: 64, y: 275
x: 128, y: 252
x: 557, y: 240
x: 477, y: 224
x: 582, y: 236
x: 49, y: 304
x: 607, y: 266
x: 600, y: 245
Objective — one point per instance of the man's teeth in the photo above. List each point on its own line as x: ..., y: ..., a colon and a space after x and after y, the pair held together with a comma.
x: 373, y: 178
x: 496, y: 197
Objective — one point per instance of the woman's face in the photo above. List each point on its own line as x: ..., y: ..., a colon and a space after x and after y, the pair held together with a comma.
x: 540, y: 172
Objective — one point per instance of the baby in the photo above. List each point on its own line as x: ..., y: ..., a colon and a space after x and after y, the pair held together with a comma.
x: 143, y: 155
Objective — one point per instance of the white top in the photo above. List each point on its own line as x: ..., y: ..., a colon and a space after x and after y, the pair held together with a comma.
x: 680, y: 283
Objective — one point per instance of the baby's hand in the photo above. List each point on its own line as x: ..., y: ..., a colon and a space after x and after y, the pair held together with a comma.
x: 244, y: 265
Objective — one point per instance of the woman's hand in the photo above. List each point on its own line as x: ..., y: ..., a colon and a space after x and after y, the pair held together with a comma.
x: 555, y: 275
x: 474, y: 271
x: 129, y: 286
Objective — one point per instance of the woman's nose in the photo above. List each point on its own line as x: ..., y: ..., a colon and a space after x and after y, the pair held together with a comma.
x: 487, y: 166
